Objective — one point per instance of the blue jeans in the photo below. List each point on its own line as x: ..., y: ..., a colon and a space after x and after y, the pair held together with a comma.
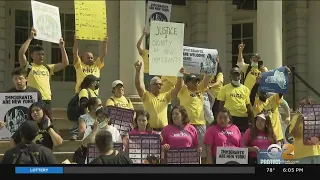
x: 74, y: 131
x: 147, y: 79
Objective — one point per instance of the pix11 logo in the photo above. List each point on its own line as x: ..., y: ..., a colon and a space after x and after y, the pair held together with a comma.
x: 285, y: 154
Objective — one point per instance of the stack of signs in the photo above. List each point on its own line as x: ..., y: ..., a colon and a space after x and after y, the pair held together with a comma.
x: 311, y: 124
x: 121, y: 119
x: 93, y: 152
x: 263, y: 157
x: 232, y: 155
x: 140, y: 146
x: 182, y: 156
x: 14, y: 110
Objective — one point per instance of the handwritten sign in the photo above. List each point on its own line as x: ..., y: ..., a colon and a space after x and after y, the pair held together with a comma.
x: 140, y: 146
x: 263, y: 158
x: 182, y: 156
x: 46, y: 21
x: 200, y: 60
x: 166, y: 48
x: 232, y: 155
x: 91, y: 19
x: 276, y: 80
x: 14, y: 110
x: 121, y: 119
x: 93, y: 152
x: 158, y: 12
x: 311, y: 123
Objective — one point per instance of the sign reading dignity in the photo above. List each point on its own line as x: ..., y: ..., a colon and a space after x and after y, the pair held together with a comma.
x: 93, y: 151
x: 276, y: 80
x: 182, y: 156
x: 232, y: 155
x: 166, y: 48
x: 14, y: 110
x: 311, y: 124
x: 121, y: 119
x: 46, y: 21
x: 158, y: 12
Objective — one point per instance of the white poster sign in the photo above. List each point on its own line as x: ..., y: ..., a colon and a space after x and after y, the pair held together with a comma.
x: 14, y: 110
x: 158, y: 12
x: 166, y: 48
x: 232, y: 155
x: 46, y: 21
x: 200, y: 60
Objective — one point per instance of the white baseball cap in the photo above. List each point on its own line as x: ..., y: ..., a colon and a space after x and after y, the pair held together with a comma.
x: 262, y: 116
x: 116, y: 82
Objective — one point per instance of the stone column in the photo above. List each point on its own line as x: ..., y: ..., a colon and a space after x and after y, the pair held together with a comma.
x: 3, y: 40
x: 269, y: 32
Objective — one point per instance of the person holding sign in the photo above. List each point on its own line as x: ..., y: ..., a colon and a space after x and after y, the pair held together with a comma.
x: 38, y: 72
x: 118, y: 99
x: 259, y: 137
x: 86, y: 65
x: 303, y: 154
x: 154, y: 102
x: 141, y: 124
x: 235, y: 97
x: 223, y: 133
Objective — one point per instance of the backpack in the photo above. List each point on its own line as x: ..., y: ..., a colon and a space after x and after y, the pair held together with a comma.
x: 30, y: 67
x: 28, y: 154
x: 73, y: 110
x: 126, y: 98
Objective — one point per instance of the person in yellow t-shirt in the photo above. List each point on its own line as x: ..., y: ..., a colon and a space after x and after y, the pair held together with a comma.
x: 118, y: 99
x: 39, y: 73
x: 86, y: 64
x: 154, y: 102
x: 144, y: 53
x: 235, y: 97
x: 303, y: 154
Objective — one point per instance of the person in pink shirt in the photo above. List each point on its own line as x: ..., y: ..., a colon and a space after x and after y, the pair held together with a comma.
x: 259, y: 137
x: 179, y: 133
x: 221, y: 133
x: 141, y: 124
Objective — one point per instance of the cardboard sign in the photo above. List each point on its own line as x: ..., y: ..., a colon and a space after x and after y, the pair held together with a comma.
x: 121, y: 119
x: 182, y: 156
x: 276, y: 80
x: 311, y: 124
x: 93, y: 152
x: 232, y: 155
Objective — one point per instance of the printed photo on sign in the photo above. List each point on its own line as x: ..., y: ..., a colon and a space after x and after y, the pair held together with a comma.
x: 311, y: 124
x: 14, y: 110
x: 232, y: 155
x: 121, y: 119
x: 93, y: 151
x: 140, y: 146
x: 158, y: 12
x: 276, y: 80
x: 182, y: 156
x: 200, y: 60
x: 46, y: 21
x: 166, y: 48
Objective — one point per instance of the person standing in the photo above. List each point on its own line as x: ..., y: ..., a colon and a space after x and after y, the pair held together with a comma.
x: 118, y: 99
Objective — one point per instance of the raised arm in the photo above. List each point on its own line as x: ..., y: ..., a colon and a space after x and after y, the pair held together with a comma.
x: 65, y: 60
x: 75, y: 50
x: 22, y: 51
x: 103, y: 49
x: 140, y: 86
x: 179, y: 84
x: 140, y: 41
x: 240, y: 61
x: 206, y: 80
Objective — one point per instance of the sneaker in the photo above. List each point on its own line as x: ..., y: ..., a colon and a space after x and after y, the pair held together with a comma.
x: 73, y: 138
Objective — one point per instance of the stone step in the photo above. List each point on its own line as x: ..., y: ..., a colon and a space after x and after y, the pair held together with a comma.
x: 60, y: 156
x: 59, y: 113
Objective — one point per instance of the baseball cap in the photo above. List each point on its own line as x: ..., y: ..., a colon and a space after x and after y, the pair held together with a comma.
x: 116, y: 82
x: 256, y: 55
x: 235, y: 70
x: 91, y: 78
x: 29, y: 130
x: 190, y: 77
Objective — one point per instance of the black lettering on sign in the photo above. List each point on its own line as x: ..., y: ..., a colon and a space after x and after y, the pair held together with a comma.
x: 167, y: 31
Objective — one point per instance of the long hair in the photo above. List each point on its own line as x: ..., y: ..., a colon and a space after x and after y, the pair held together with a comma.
x: 184, y: 114
x: 145, y: 114
x: 85, y: 84
x: 268, y: 129
x: 43, y: 107
x: 223, y: 110
x: 91, y: 102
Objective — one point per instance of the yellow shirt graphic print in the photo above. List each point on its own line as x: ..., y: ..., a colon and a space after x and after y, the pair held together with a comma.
x: 121, y: 102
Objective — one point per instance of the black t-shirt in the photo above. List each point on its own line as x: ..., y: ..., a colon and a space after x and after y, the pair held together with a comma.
x: 120, y: 158
x: 28, y: 89
x: 45, y: 155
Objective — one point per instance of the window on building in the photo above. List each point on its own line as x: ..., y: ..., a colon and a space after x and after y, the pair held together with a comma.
x: 173, y: 2
x: 242, y: 33
x: 245, y: 4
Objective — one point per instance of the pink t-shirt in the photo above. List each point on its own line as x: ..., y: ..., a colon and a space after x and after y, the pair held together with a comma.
x: 180, y: 138
x: 136, y: 132
x: 218, y: 137
x: 261, y: 141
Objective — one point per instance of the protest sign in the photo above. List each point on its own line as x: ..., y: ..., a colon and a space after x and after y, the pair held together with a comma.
x: 46, y: 21
x: 232, y: 155
x: 121, y: 119
x: 93, y: 152
x: 140, y: 146
x: 166, y: 48
x: 311, y: 124
x: 158, y: 12
x: 14, y: 110
x: 200, y: 60
x: 91, y: 19
x: 263, y: 158
x: 276, y: 80
x: 182, y: 156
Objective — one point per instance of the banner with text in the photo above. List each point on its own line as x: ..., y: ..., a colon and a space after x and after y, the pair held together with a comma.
x: 91, y: 19
x: 121, y: 119
x: 93, y: 152
x: 46, y: 21
x: 200, y: 60
x: 182, y: 156
x: 311, y: 124
x: 232, y: 155
x: 166, y: 48
x: 276, y: 80
x: 14, y: 110
x: 158, y: 12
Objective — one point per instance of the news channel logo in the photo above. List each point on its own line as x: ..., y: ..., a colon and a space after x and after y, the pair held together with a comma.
x: 285, y: 154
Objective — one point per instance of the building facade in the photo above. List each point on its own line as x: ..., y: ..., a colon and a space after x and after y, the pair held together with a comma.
x: 283, y: 32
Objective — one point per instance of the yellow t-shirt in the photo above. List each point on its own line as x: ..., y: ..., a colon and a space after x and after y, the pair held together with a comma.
x: 193, y: 103
x: 121, y: 102
x: 39, y: 78
x: 251, y: 78
x: 301, y: 150
x: 82, y: 70
x: 84, y: 93
x: 272, y: 104
x: 215, y: 90
x: 145, y: 57
x: 157, y: 107
x: 168, y: 82
x: 236, y: 99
